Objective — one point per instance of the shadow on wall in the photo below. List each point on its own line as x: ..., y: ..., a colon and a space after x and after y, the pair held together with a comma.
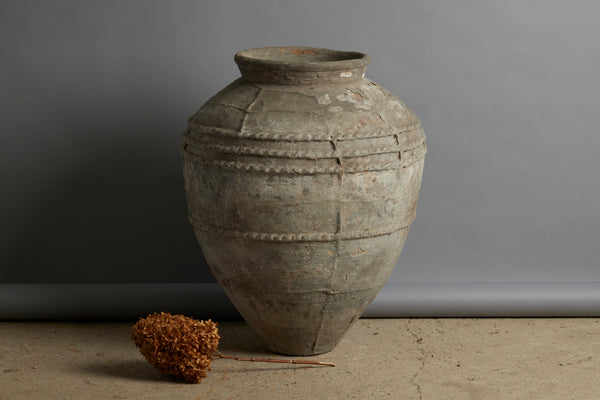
x: 119, y: 215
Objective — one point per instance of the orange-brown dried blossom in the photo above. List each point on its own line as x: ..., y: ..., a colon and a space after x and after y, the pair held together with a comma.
x: 177, y: 345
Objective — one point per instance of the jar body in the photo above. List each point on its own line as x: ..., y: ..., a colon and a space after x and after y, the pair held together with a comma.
x: 301, y: 196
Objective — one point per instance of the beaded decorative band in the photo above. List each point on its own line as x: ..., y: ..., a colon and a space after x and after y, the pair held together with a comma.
x: 302, y: 236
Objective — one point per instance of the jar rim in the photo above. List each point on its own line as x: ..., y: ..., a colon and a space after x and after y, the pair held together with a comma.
x: 293, y: 58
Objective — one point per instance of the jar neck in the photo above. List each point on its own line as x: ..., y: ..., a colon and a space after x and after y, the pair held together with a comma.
x: 300, y: 65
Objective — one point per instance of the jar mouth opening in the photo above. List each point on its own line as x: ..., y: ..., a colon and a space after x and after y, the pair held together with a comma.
x: 302, y: 58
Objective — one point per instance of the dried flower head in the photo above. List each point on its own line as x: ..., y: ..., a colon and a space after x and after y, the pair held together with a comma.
x: 177, y: 345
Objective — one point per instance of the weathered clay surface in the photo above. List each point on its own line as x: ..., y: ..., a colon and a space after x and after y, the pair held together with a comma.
x: 302, y: 179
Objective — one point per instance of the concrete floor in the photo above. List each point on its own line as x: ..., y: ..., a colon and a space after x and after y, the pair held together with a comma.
x: 437, y: 359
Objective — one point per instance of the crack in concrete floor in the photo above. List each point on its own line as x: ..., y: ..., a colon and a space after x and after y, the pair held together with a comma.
x: 418, y: 343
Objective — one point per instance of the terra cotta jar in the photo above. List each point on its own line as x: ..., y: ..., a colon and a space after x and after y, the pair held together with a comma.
x: 302, y: 179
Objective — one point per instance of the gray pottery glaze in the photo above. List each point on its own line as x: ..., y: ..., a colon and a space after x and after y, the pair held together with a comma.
x: 302, y: 179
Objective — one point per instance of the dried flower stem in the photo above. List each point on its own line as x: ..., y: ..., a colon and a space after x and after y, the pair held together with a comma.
x: 273, y: 360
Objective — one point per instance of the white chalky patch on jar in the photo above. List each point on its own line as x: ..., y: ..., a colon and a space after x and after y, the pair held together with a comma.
x: 373, y: 91
x: 357, y: 99
x: 398, y: 107
x: 324, y: 99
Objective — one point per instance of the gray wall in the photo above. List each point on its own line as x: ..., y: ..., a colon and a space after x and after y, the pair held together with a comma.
x: 95, y: 95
